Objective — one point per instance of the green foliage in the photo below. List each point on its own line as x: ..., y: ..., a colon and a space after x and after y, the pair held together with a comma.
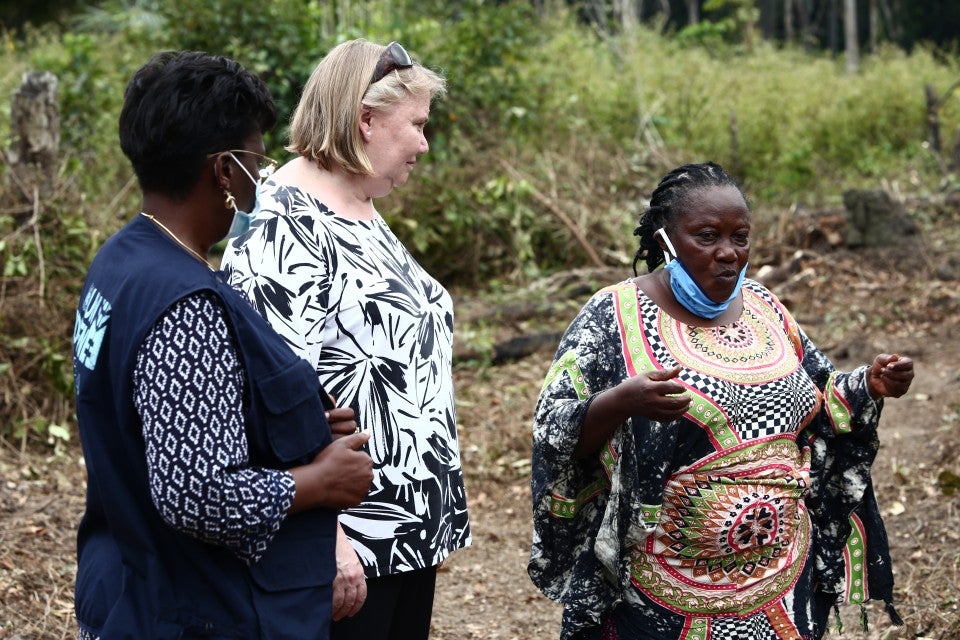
x: 545, y: 125
x: 482, y: 50
x: 734, y: 22
x: 281, y: 41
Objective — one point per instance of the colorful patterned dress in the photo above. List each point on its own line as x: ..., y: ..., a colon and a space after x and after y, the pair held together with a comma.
x: 733, y: 522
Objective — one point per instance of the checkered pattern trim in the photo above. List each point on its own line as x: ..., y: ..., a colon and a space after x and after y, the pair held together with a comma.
x: 731, y: 411
x: 755, y: 627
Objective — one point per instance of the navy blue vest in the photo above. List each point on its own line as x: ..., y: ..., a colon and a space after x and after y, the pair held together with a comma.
x: 137, y: 577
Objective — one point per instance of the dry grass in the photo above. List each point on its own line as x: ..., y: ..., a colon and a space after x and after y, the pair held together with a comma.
x: 852, y: 304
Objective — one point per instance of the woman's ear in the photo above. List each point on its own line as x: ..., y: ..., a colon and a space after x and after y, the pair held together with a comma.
x: 366, y: 122
x: 669, y: 253
x: 223, y: 170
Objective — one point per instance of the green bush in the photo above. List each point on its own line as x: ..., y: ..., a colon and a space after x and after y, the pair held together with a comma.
x: 547, y: 124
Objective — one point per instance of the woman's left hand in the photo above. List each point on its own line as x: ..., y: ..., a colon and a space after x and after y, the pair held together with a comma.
x: 350, y: 585
x: 889, y: 376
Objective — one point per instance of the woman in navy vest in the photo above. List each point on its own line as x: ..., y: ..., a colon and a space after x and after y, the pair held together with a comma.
x: 214, y: 475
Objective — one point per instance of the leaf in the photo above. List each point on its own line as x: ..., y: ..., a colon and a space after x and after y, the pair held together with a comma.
x: 896, y: 508
x: 59, y: 432
x: 949, y: 482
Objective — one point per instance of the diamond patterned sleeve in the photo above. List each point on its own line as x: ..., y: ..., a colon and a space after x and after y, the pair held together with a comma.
x: 188, y: 391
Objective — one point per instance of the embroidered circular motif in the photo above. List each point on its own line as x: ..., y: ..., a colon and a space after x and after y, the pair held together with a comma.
x: 752, y: 350
x: 728, y: 542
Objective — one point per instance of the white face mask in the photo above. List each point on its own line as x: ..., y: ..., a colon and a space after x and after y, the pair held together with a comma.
x: 242, y: 219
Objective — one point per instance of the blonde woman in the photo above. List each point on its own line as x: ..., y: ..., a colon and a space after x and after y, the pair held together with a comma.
x: 331, y: 277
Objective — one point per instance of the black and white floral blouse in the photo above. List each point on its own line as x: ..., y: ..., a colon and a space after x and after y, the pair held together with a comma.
x: 350, y: 299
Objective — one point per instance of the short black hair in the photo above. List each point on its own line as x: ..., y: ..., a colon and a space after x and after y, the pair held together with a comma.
x: 181, y: 106
x: 670, y: 196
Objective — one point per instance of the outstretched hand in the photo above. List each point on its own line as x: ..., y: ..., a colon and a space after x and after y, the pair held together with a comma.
x: 889, y: 376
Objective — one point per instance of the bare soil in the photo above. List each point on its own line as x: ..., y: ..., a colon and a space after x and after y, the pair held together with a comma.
x: 853, y: 304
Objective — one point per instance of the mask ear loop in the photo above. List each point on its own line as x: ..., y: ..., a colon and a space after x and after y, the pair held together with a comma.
x: 671, y: 253
x: 256, y: 183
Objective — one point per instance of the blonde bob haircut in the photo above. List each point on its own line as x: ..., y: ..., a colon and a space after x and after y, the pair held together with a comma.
x: 326, y: 123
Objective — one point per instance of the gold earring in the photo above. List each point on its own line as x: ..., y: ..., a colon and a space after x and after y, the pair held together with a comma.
x: 231, y: 202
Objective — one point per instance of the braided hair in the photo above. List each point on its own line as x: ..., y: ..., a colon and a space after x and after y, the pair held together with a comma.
x: 666, y: 202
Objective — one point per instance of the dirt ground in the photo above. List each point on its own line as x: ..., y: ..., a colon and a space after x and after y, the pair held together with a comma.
x: 853, y: 304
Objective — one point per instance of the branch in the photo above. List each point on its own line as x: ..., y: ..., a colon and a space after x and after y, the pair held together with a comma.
x: 555, y: 210
x: 36, y: 239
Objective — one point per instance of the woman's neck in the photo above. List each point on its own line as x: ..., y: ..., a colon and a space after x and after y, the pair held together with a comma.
x: 343, y: 193
x: 180, y: 220
x: 656, y: 286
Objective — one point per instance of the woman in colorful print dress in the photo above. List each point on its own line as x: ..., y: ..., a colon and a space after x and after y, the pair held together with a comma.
x: 331, y: 277
x: 700, y: 469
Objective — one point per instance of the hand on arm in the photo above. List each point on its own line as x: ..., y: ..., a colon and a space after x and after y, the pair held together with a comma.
x: 338, y: 477
x: 654, y: 395
x: 350, y: 585
x: 889, y: 376
x: 342, y: 420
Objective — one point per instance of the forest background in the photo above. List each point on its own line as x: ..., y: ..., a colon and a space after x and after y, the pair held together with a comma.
x: 560, y: 118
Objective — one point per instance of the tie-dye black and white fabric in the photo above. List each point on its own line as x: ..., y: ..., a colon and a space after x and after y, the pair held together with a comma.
x: 350, y: 299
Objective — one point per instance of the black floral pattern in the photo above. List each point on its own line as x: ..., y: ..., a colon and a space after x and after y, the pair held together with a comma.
x: 351, y: 300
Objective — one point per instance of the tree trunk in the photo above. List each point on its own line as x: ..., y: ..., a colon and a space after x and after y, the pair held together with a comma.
x: 851, y: 38
x: 788, y: 31
x: 768, y: 19
x: 894, y: 30
x: 734, y: 144
x: 833, y: 22
x: 805, y: 13
x: 693, y: 12
x: 628, y: 17
x: 35, y: 132
x: 933, y: 119
x: 874, y: 25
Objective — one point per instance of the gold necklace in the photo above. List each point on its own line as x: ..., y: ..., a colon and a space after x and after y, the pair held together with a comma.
x: 176, y: 239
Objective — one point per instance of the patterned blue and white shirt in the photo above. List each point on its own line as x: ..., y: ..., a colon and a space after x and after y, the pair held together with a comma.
x: 188, y: 390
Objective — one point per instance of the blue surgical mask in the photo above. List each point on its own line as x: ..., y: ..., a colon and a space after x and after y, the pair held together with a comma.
x: 242, y: 219
x: 687, y: 292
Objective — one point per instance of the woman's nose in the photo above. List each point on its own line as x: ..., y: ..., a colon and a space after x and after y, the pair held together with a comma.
x: 726, y: 252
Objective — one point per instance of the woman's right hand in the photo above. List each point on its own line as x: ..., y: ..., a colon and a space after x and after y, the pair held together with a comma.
x: 338, y: 477
x: 653, y: 394
x: 350, y: 585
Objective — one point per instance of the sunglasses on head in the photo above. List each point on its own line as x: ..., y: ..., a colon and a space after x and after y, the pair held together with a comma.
x: 393, y: 57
